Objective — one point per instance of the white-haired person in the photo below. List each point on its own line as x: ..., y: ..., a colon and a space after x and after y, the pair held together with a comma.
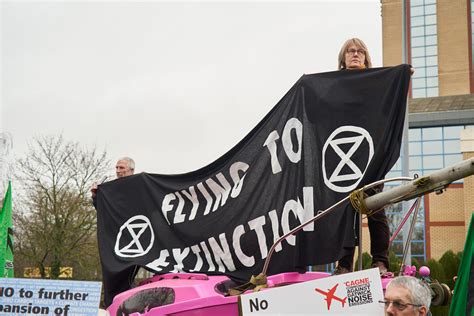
x: 407, y: 296
x: 124, y: 167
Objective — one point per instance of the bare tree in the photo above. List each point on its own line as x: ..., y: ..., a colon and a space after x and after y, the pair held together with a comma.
x: 56, y: 224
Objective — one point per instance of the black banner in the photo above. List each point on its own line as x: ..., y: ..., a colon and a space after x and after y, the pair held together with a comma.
x: 330, y: 134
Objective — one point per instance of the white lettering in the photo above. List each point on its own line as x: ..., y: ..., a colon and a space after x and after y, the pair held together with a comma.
x: 291, y: 124
x: 234, y: 174
x: 257, y: 225
x: 275, y: 225
x: 179, y: 257
x: 290, y: 206
x: 179, y: 216
x: 195, y: 249
x: 270, y: 143
x: 220, y: 192
x: 243, y: 258
x: 218, y: 255
x: 166, y: 206
x: 194, y: 199
x: 222, y: 255
x: 300, y: 212
x: 207, y: 254
x: 157, y: 264
x: 207, y: 196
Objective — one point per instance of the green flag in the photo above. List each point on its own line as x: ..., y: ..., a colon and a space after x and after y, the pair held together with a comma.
x: 6, y: 236
x: 463, y: 298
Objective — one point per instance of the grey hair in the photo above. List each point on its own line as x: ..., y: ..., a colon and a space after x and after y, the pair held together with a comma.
x: 342, y: 53
x: 130, y: 162
x: 420, y: 292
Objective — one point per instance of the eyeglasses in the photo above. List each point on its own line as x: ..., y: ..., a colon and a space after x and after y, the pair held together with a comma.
x: 398, y: 305
x: 352, y: 51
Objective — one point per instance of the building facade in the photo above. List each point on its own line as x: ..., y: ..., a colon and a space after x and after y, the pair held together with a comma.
x: 436, y: 38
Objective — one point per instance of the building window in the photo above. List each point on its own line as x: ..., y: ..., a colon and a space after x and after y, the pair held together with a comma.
x: 424, y: 48
x: 430, y: 149
x: 472, y: 31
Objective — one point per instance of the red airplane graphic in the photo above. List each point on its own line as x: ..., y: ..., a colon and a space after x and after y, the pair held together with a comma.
x: 330, y: 296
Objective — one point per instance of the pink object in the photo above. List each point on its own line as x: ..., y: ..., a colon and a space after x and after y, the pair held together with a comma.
x: 195, y: 294
x: 425, y: 271
x: 385, y: 282
x: 409, y: 271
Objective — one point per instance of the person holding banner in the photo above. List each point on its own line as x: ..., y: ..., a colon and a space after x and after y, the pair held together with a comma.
x: 125, y: 167
x: 407, y: 296
x: 355, y: 55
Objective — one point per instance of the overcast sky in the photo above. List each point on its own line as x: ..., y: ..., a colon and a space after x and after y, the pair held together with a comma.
x: 173, y: 85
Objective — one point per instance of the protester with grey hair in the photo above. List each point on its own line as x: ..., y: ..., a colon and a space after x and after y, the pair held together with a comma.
x: 354, y: 55
x: 407, y: 296
x: 124, y: 167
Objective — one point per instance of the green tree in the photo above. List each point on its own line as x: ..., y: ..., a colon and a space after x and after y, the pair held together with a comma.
x: 417, y: 263
x: 450, y: 262
x: 55, y: 222
x: 366, y: 261
x: 394, y: 262
x: 436, y: 270
x: 437, y: 273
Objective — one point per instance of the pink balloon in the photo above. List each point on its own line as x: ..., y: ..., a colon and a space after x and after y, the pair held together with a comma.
x: 424, y: 271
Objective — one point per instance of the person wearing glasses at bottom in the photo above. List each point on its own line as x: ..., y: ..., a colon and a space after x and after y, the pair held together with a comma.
x: 407, y: 296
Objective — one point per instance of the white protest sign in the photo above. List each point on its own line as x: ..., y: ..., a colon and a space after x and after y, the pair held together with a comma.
x: 354, y: 293
x: 49, y: 297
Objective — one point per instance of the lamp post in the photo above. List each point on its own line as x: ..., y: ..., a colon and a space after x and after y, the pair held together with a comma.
x: 405, y: 152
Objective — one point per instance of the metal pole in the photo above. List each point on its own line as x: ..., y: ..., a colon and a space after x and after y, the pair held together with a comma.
x: 405, y: 151
x: 418, y: 187
x: 359, y: 248
x: 433, y: 182
x: 410, y: 234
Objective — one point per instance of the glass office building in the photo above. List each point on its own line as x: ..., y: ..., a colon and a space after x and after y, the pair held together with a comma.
x: 430, y: 149
x: 424, y: 48
x: 436, y: 38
